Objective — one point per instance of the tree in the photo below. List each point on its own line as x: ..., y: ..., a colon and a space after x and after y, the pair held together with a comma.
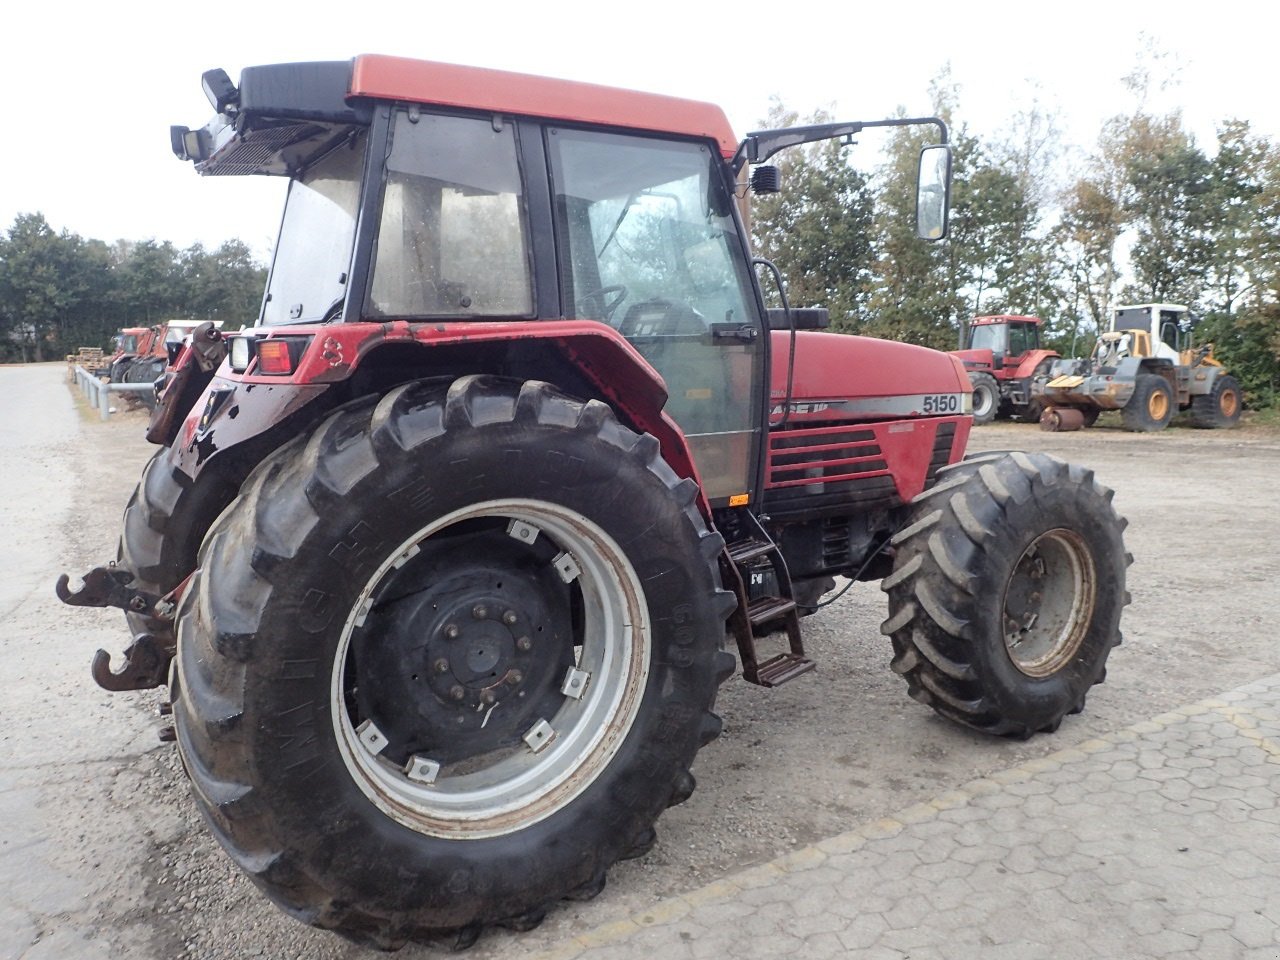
x: 818, y: 229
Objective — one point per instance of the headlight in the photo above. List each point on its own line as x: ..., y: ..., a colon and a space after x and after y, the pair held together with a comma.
x: 241, y: 353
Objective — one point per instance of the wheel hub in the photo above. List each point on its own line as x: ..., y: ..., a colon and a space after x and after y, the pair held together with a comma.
x: 470, y: 661
x: 1049, y: 602
x: 456, y: 768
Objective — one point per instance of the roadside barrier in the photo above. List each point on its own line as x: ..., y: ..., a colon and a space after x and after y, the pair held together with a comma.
x: 99, y: 394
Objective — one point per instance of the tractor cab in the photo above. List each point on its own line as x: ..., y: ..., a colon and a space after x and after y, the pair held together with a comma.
x: 1001, y: 342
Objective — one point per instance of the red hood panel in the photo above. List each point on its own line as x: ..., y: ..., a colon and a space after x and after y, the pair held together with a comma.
x: 841, y: 377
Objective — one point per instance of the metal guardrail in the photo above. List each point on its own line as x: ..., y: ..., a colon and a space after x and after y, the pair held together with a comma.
x: 99, y: 394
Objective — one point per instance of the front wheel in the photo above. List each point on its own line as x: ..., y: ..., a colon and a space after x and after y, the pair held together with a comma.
x: 1006, y: 593
x: 1151, y: 406
x: 449, y: 660
x: 986, y: 397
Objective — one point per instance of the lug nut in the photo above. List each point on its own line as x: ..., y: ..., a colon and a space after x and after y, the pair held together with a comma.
x: 509, y: 617
x: 479, y: 611
x: 451, y: 631
x: 441, y: 665
x: 457, y: 692
x: 524, y: 643
x: 514, y: 677
x: 488, y: 697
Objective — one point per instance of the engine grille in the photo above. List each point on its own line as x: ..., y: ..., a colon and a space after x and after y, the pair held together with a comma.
x: 820, y: 466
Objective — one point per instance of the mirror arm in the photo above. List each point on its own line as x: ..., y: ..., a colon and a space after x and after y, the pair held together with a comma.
x: 760, y: 145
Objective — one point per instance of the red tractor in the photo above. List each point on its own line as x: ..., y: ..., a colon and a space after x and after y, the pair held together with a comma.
x: 1003, y: 357
x: 440, y: 559
x: 140, y: 355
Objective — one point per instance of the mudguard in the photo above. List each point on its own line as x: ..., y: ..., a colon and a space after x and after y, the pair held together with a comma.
x: 236, y: 408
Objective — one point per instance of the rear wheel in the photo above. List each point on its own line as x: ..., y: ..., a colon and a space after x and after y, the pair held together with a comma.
x: 449, y: 660
x: 1220, y: 407
x: 1151, y: 406
x: 986, y: 397
x: 1006, y: 593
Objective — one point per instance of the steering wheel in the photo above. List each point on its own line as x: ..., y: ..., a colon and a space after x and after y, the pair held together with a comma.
x: 600, y: 296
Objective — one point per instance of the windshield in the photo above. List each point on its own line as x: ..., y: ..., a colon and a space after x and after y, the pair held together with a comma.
x: 988, y: 336
x: 313, y: 254
x: 129, y: 343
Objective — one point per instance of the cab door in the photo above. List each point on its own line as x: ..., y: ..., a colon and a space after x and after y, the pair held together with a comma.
x: 649, y: 245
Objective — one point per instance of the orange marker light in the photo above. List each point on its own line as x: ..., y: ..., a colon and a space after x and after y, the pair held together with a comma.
x: 273, y: 357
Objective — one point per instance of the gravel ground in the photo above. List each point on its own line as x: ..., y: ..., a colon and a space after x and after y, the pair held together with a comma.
x: 106, y: 856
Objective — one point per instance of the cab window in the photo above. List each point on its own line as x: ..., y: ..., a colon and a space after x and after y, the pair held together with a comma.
x: 452, y: 241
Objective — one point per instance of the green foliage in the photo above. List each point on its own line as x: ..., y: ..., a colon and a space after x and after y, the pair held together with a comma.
x: 1151, y: 218
x: 59, y: 291
x: 818, y: 229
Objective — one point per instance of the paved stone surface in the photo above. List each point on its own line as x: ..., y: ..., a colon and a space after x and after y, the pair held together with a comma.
x: 1160, y: 841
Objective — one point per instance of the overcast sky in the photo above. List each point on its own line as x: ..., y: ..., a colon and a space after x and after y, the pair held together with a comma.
x: 91, y: 90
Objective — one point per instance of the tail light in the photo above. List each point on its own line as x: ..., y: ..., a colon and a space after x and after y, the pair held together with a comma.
x: 273, y: 357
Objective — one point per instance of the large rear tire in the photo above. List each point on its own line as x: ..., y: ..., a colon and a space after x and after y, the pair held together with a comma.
x: 449, y: 660
x: 986, y: 397
x: 1006, y: 593
x: 1220, y: 407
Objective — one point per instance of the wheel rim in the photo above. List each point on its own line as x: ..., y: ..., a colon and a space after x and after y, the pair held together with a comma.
x: 1158, y: 405
x: 1228, y: 403
x: 572, y: 692
x: 1049, y: 603
x: 982, y: 402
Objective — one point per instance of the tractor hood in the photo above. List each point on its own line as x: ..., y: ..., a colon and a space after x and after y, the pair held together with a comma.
x: 840, y: 377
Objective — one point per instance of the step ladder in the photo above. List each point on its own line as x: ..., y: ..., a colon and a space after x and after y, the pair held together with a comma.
x: 748, y: 541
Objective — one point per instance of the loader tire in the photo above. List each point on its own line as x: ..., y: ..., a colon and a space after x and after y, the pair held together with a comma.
x: 446, y: 661
x: 1220, y: 407
x: 986, y: 397
x: 1006, y: 593
x: 1151, y: 407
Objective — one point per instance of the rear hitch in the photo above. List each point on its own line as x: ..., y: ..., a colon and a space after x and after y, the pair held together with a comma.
x: 146, y: 665
x: 107, y: 587
x: 146, y: 660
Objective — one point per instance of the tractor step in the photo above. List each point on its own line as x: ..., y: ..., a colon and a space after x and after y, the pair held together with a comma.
x: 744, y: 551
x: 778, y: 670
x: 764, y: 610
x: 749, y: 545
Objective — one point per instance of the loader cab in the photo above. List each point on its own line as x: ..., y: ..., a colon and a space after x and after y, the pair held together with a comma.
x: 1165, y: 328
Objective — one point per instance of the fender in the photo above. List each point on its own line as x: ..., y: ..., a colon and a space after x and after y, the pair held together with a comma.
x: 976, y: 361
x: 1031, y: 360
x: 238, y: 408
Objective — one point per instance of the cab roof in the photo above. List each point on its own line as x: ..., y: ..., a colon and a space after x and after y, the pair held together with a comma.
x: 1004, y: 318
x: 500, y: 91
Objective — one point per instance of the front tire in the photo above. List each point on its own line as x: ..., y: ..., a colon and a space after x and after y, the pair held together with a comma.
x: 1006, y: 593
x: 449, y: 660
x: 1151, y: 407
x: 986, y: 397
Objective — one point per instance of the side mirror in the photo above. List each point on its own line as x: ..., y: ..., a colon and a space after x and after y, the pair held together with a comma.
x: 933, y: 192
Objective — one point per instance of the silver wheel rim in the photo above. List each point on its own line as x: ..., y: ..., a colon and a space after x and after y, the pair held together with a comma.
x: 1049, y: 603
x: 983, y: 401
x: 515, y: 788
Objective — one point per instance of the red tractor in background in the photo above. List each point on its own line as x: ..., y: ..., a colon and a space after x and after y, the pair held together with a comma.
x: 140, y: 355
x: 1003, y: 358
x: 439, y: 559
